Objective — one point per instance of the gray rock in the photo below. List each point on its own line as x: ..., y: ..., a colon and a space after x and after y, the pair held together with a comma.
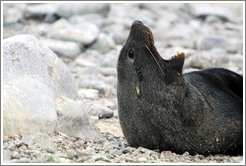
x: 84, y: 63
x: 68, y: 10
x: 41, y: 29
x: 100, y: 111
x: 103, y: 43
x: 6, y: 155
x: 38, y: 138
x: 73, y: 119
x: 89, y: 93
x: 204, y: 10
x: 109, y: 71
x: 115, y: 152
x: 61, y: 48
x: 115, y: 145
x: 142, y: 159
x: 51, y: 17
x: 96, y: 19
x: 100, y: 158
x: 212, y: 20
x: 12, y: 15
x: 15, y: 155
x: 84, y: 33
x: 126, y: 150
x: 118, y: 32
x: 55, y: 159
x: 110, y: 59
x: 94, y: 83
x: 204, y: 60
x: 72, y: 155
x: 208, y: 42
x: 60, y: 24
x: 109, y: 156
x: 36, y: 84
x: 39, y: 11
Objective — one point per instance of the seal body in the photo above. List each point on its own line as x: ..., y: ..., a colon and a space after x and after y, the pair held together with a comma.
x: 161, y: 108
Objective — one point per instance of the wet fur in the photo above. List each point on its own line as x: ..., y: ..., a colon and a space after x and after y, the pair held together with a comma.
x: 199, y: 112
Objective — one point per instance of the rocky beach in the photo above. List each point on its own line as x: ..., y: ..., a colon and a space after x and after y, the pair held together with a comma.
x: 86, y: 39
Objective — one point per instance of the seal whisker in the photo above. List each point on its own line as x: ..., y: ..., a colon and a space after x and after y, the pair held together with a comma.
x: 154, y: 59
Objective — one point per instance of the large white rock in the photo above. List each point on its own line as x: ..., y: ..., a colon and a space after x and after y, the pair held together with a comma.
x: 34, y: 79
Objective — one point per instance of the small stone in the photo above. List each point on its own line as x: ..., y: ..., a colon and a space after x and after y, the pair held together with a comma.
x: 68, y: 49
x: 186, y: 154
x: 201, y: 157
x: 12, y: 15
x: 115, y: 152
x: 127, y: 150
x: 94, y: 83
x: 5, y: 139
x: 101, y: 111
x: 15, y: 155
x: 130, y: 160
x: 72, y: 155
x: 84, y: 63
x: 89, y: 93
x: 84, y: 33
x: 56, y: 159
x: 212, y: 20
x: 143, y: 160
x: 103, y: 44
x: 38, y: 11
x: 49, y: 150
x: 7, y: 155
x: 109, y: 156
x: 98, y: 158
x: 96, y: 19
x: 51, y: 17
x: 68, y: 10
x: 208, y: 42
x: 109, y: 71
x: 41, y: 139
x: 204, y: 10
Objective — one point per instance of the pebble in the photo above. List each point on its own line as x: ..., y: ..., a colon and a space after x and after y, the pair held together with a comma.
x: 89, y: 93
x: 126, y: 150
x: 68, y: 10
x: 103, y: 44
x: 38, y: 11
x: 142, y: 160
x: 72, y: 155
x: 96, y: 19
x: 84, y: 63
x: 15, y: 155
x: 61, y: 48
x: 84, y: 33
x: 100, y: 111
x: 94, y: 83
x: 204, y: 10
x: 208, y: 42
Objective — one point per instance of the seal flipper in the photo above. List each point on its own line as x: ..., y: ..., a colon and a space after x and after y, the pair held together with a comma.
x: 230, y: 81
x: 227, y: 80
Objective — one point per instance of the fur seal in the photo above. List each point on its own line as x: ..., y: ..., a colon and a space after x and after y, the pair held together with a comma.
x: 161, y: 108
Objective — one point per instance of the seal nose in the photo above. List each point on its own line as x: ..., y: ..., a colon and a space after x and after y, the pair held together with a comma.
x: 137, y: 22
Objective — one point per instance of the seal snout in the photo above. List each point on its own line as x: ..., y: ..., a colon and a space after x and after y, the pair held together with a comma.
x: 141, y: 33
x: 137, y: 22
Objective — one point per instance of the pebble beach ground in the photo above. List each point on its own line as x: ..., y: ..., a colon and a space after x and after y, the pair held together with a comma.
x: 211, y: 35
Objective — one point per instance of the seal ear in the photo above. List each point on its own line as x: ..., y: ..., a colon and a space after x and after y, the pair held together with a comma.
x: 176, y: 62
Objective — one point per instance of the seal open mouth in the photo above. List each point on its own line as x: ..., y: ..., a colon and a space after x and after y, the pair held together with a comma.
x: 142, y: 33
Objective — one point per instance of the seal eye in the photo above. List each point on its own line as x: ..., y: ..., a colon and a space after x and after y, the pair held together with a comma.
x: 131, y: 54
